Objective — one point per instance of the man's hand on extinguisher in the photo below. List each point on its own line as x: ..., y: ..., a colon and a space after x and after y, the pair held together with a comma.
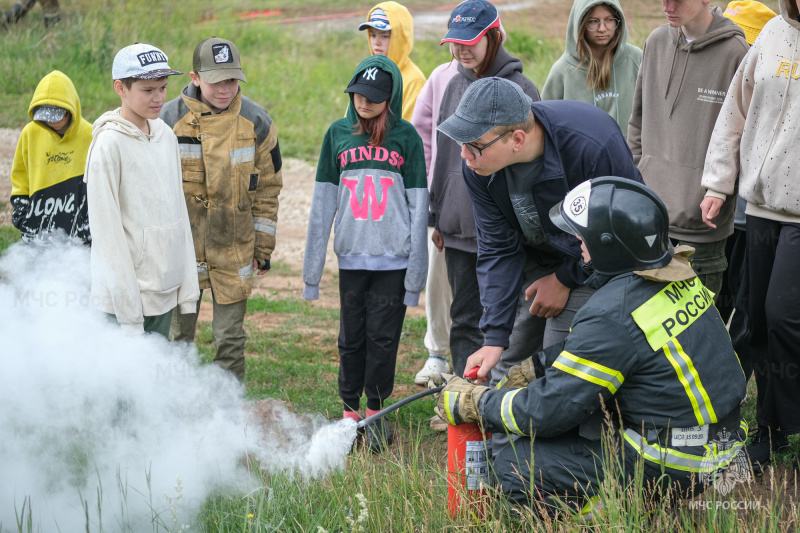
x: 458, y: 401
x: 485, y: 359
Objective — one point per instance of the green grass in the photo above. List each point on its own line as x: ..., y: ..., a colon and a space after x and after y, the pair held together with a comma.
x: 8, y: 236
x: 292, y: 344
x: 297, y: 73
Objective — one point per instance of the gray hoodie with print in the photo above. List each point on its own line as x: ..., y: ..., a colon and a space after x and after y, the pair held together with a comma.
x: 679, y: 93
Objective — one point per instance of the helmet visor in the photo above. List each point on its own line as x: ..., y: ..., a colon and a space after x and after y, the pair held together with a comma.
x: 557, y: 217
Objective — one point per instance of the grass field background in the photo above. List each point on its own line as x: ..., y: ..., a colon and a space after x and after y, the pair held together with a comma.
x: 298, y: 72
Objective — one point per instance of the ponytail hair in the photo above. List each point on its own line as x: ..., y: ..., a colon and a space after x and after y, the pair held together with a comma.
x: 598, y: 71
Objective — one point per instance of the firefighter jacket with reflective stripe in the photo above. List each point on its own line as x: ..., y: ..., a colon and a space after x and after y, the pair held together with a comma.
x: 659, y: 351
x: 231, y: 167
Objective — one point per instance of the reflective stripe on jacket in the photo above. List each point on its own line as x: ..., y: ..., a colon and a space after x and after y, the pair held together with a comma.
x: 231, y: 167
x: 659, y: 352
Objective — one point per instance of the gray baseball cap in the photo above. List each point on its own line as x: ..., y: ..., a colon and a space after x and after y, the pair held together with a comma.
x: 216, y: 60
x: 487, y: 103
x: 141, y: 61
x: 49, y: 113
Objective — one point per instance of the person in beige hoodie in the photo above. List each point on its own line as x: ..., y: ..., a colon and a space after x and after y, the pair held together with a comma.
x: 754, y: 146
x: 143, y: 261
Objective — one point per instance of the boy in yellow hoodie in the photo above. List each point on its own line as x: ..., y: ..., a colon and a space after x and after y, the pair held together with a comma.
x: 47, y: 188
x: 391, y: 34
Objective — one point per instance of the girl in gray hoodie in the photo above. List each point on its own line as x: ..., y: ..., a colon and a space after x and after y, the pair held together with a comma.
x: 599, y: 66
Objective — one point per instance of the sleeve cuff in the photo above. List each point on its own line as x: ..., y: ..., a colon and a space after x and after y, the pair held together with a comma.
x: 496, y: 337
x: 188, y: 308
x: 715, y: 194
x: 411, y: 299
x: 132, y: 329
x: 563, y: 276
x: 311, y: 292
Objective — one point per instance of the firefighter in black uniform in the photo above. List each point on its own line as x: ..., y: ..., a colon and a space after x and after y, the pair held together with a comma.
x: 649, y: 342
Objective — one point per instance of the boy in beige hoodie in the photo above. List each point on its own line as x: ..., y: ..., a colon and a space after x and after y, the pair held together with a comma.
x: 143, y: 261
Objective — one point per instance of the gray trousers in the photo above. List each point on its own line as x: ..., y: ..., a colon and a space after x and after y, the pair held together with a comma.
x: 531, y: 333
x: 227, y: 329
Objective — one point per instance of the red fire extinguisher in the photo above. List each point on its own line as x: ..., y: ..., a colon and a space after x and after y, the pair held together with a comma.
x: 467, y: 465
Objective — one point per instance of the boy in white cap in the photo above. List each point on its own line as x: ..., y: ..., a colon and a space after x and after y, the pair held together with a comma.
x: 47, y: 189
x: 391, y: 34
x: 231, y: 165
x: 142, y: 254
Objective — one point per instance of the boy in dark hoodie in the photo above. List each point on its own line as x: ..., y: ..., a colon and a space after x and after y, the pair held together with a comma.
x: 686, y: 69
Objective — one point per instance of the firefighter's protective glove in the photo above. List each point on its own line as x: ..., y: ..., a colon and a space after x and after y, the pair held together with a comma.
x: 518, y: 376
x: 458, y: 401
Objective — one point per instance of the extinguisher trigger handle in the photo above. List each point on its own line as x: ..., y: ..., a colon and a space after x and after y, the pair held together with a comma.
x: 472, y: 373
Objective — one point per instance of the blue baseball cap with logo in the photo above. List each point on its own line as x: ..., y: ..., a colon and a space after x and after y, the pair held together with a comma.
x: 378, y: 20
x: 470, y: 21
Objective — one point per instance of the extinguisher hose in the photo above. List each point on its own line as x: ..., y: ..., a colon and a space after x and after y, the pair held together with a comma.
x: 398, y: 405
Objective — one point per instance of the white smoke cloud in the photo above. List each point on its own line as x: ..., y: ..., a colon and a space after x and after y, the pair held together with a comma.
x: 88, y: 413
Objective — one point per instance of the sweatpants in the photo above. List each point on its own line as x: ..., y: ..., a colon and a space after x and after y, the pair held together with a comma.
x: 370, y: 323
x: 531, y: 333
x: 152, y: 324
x: 438, y: 298
x: 466, y: 310
x: 227, y: 328
x: 773, y: 251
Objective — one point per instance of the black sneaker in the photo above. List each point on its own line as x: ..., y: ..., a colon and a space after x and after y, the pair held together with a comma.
x: 763, y: 444
x: 378, y: 435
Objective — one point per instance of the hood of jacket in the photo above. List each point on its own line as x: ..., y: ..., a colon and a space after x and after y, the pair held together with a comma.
x: 57, y: 89
x: 112, y: 120
x: 790, y: 13
x: 721, y: 28
x: 402, y: 41
x: 504, y: 66
x: 395, y: 101
x: 579, y: 10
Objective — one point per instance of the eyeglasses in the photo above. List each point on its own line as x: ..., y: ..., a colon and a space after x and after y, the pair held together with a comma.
x: 471, y: 147
x: 610, y: 23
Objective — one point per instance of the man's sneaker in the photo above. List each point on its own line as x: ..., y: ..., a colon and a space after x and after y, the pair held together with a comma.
x: 763, y: 444
x: 437, y: 424
x: 378, y: 435
x: 433, y: 369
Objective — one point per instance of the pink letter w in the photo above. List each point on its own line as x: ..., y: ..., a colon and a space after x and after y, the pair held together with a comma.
x: 370, y: 197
